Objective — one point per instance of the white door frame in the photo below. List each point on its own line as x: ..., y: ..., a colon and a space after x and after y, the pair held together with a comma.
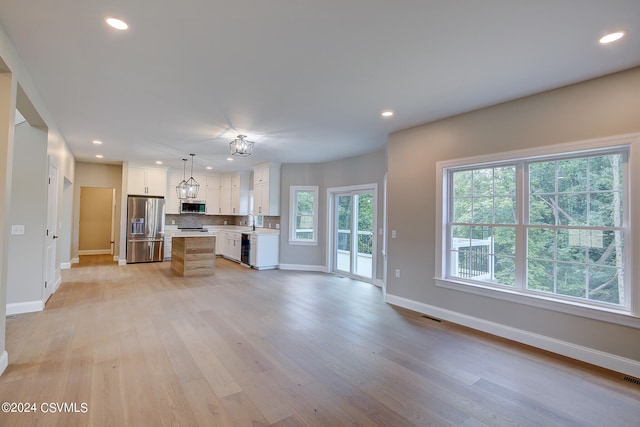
x: 331, y: 243
x: 113, y: 221
x: 383, y: 251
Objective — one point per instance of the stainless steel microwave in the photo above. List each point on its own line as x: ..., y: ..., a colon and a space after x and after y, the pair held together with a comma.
x: 193, y: 206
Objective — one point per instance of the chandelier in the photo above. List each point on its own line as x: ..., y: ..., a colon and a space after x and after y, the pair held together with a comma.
x: 241, y: 147
x: 188, y: 189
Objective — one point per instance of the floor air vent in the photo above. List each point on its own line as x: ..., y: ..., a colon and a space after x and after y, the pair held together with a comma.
x: 632, y: 380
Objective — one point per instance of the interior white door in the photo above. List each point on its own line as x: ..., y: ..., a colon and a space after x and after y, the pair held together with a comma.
x: 51, y: 232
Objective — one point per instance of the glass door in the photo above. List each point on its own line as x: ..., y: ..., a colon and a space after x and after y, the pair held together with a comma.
x: 344, y: 208
x: 353, y: 234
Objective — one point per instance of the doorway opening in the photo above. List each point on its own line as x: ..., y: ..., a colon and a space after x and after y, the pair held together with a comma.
x: 97, y: 221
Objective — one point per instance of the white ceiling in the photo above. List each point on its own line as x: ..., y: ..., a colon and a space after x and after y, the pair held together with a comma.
x: 305, y: 80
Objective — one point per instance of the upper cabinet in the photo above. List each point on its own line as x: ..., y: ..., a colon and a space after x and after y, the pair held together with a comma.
x: 144, y: 181
x: 240, y: 193
x: 266, y: 189
x: 212, y: 195
x: 172, y: 203
x: 225, y: 194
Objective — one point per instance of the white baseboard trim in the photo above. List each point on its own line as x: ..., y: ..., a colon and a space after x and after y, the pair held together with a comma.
x: 4, y: 361
x: 115, y: 257
x: 24, y: 307
x: 303, y: 267
x: 95, y: 252
x: 65, y: 265
x: 584, y: 354
x: 75, y: 260
x: 379, y: 283
x: 122, y: 262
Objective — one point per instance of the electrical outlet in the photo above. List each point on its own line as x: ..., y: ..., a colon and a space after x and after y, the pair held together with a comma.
x: 397, y: 273
x: 269, y: 225
x: 225, y: 223
x: 277, y: 226
x: 173, y: 221
x: 393, y: 234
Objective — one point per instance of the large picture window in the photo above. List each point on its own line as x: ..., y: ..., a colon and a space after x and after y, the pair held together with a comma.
x: 304, y: 215
x: 552, y: 226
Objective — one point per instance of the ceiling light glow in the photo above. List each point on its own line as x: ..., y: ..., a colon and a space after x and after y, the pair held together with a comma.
x: 612, y: 37
x: 158, y: 162
x: 209, y: 168
x: 99, y: 156
x: 230, y: 159
x: 387, y: 113
x: 118, y: 24
x: 95, y: 141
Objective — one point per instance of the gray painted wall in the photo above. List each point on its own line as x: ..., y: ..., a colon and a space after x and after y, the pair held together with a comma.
x: 18, y: 91
x: 8, y: 89
x: 28, y: 207
x: 366, y: 169
x: 598, y: 108
x: 101, y: 176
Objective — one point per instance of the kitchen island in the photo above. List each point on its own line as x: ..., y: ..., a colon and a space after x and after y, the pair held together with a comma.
x: 193, y: 254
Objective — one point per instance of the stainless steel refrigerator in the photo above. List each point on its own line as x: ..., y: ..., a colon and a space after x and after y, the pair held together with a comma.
x: 145, y: 229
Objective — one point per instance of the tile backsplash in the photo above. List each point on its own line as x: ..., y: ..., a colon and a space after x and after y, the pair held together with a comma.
x: 195, y: 220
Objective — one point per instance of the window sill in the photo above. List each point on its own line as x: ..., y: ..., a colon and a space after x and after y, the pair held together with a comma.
x: 301, y: 243
x: 603, y: 314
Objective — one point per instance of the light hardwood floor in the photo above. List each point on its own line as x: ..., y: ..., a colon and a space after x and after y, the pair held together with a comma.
x: 141, y: 347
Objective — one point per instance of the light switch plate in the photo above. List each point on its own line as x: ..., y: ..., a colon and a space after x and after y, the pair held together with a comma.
x: 17, y: 229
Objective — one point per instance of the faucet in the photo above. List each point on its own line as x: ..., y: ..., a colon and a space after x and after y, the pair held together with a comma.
x: 253, y: 221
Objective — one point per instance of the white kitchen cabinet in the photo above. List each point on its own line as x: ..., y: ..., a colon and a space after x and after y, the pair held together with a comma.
x: 212, y: 197
x: 266, y: 189
x: 143, y: 181
x: 264, y: 251
x: 225, y: 201
x: 225, y: 195
x: 212, y: 194
x: 202, y: 190
x: 172, y: 203
x: 240, y: 193
x: 233, y: 245
x: 220, y: 242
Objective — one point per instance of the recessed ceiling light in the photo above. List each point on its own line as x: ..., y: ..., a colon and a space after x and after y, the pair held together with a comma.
x: 611, y: 37
x: 158, y: 162
x: 118, y: 24
x: 230, y: 159
x: 99, y: 156
x: 95, y: 141
x: 209, y: 167
x: 387, y: 113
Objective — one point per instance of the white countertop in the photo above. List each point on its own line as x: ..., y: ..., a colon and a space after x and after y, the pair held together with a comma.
x: 191, y: 234
x: 173, y: 230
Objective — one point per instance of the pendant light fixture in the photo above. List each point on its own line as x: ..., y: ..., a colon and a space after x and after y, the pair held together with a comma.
x: 192, y: 185
x: 241, y: 147
x: 181, y: 189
